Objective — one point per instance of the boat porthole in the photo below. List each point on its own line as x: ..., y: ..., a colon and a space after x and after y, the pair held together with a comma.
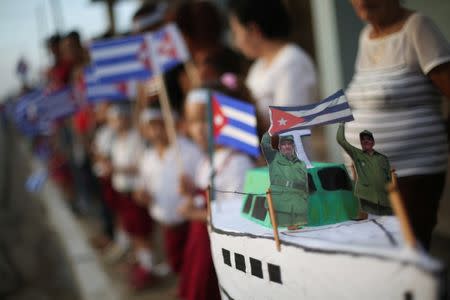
x: 256, y: 267
x: 226, y: 257
x: 239, y: 261
x: 274, y: 273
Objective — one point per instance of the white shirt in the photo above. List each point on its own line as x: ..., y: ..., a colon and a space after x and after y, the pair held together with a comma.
x: 159, y: 176
x: 289, y: 80
x: 391, y: 96
x: 230, y: 167
x: 103, y: 140
x: 126, y: 152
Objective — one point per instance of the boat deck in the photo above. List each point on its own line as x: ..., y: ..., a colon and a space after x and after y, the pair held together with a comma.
x: 377, y: 236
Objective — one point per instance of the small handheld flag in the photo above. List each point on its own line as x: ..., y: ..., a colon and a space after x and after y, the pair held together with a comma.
x: 96, y: 91
x: 121, y: 59
x: 138, y: 57
x: 333, y: 109
x: 36, y: 181
x: 234, y: 124
x: 57, y: 105
x: 167, y: 48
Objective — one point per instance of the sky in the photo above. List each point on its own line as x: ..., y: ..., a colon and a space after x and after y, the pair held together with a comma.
x: 25, y: 24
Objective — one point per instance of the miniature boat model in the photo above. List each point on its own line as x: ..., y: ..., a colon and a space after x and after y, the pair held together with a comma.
x: 345, y: 259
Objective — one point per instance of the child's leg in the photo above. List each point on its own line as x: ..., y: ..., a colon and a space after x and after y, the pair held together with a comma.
x: 143, y: 252
x: 175, y: 238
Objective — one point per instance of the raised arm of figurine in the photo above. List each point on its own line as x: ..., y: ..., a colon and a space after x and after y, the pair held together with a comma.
x: 267, y: 149
x: 340, y: 137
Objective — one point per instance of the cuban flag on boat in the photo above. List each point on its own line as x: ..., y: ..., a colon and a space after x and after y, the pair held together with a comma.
x: 167, y: 48
x: 234, y: 124
x: 121, y: 59
x: 334, y: 109
x: 98, y: 91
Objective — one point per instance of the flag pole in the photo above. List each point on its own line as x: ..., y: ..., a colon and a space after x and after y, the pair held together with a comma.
x: 273, y: 219
x: 399, y: 209
x: 211, y: 145
x: 192, y: 73
x: 169, y: 122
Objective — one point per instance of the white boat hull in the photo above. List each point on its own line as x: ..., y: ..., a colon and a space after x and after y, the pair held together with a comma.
x: 313, y: 274
x: 350, y: 260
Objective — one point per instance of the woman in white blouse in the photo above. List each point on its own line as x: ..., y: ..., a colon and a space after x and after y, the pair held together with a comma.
x: 283, y: 74
x: 401, y: 72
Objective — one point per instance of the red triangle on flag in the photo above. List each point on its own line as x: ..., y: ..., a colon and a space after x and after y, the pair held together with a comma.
x: 167, y: 47
x: 143, y: 55
x: 219, y: 118
x: 122, y: 88
x: 281, y: 120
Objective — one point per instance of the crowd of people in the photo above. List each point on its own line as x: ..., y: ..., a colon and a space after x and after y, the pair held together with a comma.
x: 122, y: 152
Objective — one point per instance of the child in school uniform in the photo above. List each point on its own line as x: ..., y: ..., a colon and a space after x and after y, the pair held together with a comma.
x: 160, y: 169
x: 198, y: 279
x: 135, y: 221
x: 101, y: 155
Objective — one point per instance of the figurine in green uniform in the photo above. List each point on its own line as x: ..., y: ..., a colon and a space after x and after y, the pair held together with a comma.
x: 288, y: 181
x: 373, y: 172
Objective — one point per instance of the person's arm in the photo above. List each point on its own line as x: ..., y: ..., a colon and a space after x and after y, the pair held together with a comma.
x: 266, y: 146
x: 129, y: 170
x: 340, y: 137
x: 388, y: 171
x: 188, y: 210
x: 440, y: 76
x: 141, y: 197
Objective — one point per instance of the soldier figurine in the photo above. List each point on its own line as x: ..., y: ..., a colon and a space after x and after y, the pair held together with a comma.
x: 288, y: 181
x: 372, y: 170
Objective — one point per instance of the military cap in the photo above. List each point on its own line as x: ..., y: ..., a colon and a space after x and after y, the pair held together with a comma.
x: 286, y: 138
x: 366, y: 133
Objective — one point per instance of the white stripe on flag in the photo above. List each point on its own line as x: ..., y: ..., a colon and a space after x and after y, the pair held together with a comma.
x: 241, y: 135
x: 105, y: 71
x: 116, y: 51
x: 319, y: 108
x: 325, y: 118
x: 102, y: 89
x: 232, y: 113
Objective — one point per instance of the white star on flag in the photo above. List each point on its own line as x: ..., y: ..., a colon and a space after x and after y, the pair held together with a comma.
x: 282, y: 122
x: 218, y: 120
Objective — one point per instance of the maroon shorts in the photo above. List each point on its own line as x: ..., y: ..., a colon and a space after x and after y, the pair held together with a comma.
x: 135, y: 219
x: 198, y: 279
x: 109, y: 195
x: 175, y: 238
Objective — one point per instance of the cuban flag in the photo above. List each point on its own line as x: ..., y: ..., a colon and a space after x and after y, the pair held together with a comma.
x: 36, y: 181
x: 95, y: 90
x: 234, y: 124
x: 167, y: 48
x: 25, y: 113
x: 56, y: 105
x: 334, y: 109
x: 121, y: 59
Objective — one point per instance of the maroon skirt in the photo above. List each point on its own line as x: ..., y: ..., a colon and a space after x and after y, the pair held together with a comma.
x: 198, y: 279
x: 109, y: 195
x: 175, y: 238
x: 134, y: 218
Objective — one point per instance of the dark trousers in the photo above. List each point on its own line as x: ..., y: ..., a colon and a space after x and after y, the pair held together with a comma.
x: 375, y: 208
x: 421, y: 195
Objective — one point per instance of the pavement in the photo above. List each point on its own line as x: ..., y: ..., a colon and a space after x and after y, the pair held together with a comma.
x: 33, y: 263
